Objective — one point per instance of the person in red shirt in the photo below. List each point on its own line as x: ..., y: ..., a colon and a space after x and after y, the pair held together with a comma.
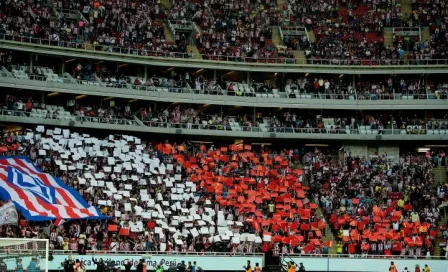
x: 28, y: 105
x: 417, y: 268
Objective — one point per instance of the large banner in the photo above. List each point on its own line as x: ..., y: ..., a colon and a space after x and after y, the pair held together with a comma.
x: 40, y: 196
x: 209, y: 262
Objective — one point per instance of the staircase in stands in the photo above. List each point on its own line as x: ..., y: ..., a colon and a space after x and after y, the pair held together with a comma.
x: 168, y: 33
x: 299, y: 55
x: 327, y: 235
x: 311, y: 36
x: 406, y: 8
x: 440, y: 177
x: 166, y: 3
x: 280, y: 3
x: 276, y: 38
x: 426, y: 36
x: 388, y: 37
x: 443, y: 222
x: 194, y: 50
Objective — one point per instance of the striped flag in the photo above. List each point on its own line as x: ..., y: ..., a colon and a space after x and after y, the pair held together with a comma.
x: 40, y: 196
x: 58, y: 222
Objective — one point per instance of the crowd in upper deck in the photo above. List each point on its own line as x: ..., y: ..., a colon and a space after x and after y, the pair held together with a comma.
x: 345, y: 32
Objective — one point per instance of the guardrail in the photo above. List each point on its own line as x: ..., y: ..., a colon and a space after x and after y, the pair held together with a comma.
x: 359, y: 256
x: 408, y: 31
x: 231, y: 126
x: 175, y: 253
x: 287, y: 129
x: 212, y: 92
x: 223, y: 58
x: 171, y: 27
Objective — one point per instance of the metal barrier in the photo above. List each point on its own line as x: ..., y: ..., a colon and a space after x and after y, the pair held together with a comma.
x: 205, y: 126
x: 212, y: 92
x: 223, y: 58
x: 176, y: 253
x: 359, y: 256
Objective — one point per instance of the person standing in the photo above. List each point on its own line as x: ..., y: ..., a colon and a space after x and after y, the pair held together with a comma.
x: 32, y: 267
x: 248, y: 267
x: 301, y: 267
x: 100, y: 265
x: 392, y: 267
x: 19, y: 265
x: 257, y: 267
x: 181, y: 267
x: 127, y: 266
x: 291, y: 267
x: 417, y: 268
x: 140, y: 266
x: 427, y: 268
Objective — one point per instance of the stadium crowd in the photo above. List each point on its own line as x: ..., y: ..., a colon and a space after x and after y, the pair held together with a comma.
x: 190, y: 117
x: 379, y: 206
x: 233, y: 198
x: 133, y: 27
x: 194, y: 197
x: 318, y: 86
x: 347, y: 32
x: 214, y: 199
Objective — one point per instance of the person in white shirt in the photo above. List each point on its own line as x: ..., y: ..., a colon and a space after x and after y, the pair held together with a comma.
x: 114, y: 246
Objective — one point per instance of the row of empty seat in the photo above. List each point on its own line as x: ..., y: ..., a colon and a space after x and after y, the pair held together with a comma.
x: 49, y: 112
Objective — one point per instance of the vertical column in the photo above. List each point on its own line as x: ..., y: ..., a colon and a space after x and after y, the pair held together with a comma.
x: 214, y: 75
x: 254, y: 117
x: 31, y: 62
x: 248, y: 78
x: 146, y: 72
x: 392, y: 121
x: 63, y: 66
x: 354, y: 86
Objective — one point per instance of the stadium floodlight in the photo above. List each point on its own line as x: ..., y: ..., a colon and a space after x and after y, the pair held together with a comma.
x: 16, y: 253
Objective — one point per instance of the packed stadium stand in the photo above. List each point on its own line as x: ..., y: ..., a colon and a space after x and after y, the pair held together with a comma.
x: 193, y: 135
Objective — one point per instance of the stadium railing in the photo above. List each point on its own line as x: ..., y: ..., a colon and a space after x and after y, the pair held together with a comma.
x: 360, y: 256
x: 81, y: 44
x: 207, y: 253
x: 216, y: 92
x: 179, y: 253
x: 232, y: 126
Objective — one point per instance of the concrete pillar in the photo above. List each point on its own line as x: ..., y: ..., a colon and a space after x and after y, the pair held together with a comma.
x: 146, y: 72
x: 254, y: 117
x: 31, y: 63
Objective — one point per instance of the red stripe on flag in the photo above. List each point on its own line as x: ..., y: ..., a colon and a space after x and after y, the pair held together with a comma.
x: 25, y: 199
